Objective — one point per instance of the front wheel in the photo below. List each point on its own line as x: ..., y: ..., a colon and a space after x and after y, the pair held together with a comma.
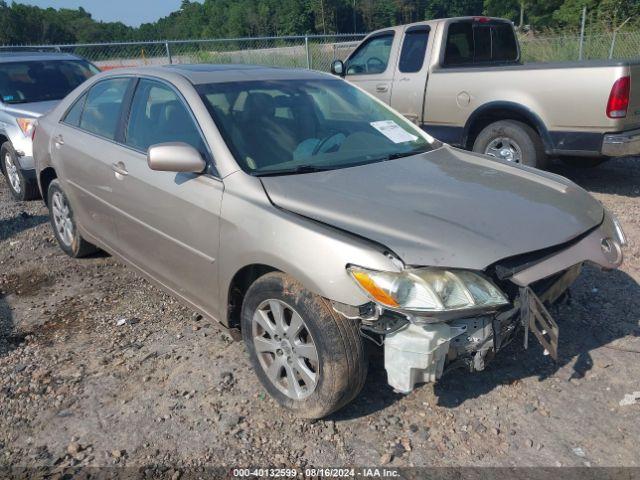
x: 512, y: 141
x: 22, y: 187
x: 309, y: 359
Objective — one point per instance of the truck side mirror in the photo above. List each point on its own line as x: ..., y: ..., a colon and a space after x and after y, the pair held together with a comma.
x: 337, y: 68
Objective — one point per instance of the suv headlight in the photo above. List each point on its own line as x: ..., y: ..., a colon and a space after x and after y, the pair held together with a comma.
x: 428, y: 289
x: 622, y: 238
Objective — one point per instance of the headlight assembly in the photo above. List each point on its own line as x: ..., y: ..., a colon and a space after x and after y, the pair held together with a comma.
x: 428, y: 289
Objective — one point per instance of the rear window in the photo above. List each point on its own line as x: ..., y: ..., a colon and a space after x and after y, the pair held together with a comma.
x: 39, y: 81
x: 471, y: 43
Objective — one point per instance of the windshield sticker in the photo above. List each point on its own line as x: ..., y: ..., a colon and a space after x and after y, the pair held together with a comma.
x: 7, y: 98
x: 393, y: 131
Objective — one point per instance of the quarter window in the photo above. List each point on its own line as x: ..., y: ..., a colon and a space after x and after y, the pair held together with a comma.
x: 102, y: 108
x: 74, y: 114
x: 158, y: 115
x: 414, y: 48
x: 372, y: 57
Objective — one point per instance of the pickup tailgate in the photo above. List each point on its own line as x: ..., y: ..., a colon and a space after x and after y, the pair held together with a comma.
x: 632, y: 119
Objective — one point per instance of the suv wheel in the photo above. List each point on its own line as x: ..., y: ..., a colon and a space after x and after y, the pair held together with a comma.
x: 512, y: 141
x: 310, y: 359
x: 63, y: 223
x: 21, y: 187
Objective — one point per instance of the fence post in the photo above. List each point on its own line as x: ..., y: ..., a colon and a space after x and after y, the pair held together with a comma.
x: 306, y: 47
x: 584, y: 18
x: 613, y: 44
x: 166, y: 46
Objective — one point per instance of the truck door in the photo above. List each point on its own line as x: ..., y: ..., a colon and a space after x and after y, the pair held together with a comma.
x: 410, y: 79
x: 371, y: 65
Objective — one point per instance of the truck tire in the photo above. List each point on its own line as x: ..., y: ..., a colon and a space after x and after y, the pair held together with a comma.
x: 513, y: 141
x: 21, y: 186
x: 64, y: 225
x: 310, y: 359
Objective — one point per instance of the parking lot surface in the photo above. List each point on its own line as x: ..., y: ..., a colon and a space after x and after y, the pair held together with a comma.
x: 98, y: 367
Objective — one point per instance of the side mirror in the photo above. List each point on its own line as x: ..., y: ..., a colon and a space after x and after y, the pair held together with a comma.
x: 337, y: 68
x: 175, y: 157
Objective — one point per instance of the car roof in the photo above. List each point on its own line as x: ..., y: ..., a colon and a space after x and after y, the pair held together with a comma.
x: 18, y: 56
x: 208, y: 73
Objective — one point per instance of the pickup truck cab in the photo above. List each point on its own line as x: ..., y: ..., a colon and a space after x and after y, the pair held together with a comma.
x: 461, y: 80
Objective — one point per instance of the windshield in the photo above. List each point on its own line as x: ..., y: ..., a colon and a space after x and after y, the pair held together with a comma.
x: 298, y: 126
x: 39, y: 81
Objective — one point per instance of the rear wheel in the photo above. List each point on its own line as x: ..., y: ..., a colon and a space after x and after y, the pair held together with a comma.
x: 512, y: 141
x: 64, y: 225
x: 311, y: 360
x: 21, y: 186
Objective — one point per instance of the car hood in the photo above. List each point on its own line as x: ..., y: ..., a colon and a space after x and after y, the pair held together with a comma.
x: 443, y: 208
x: 35, y: 109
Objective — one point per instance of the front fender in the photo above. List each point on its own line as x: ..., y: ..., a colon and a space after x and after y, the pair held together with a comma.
x: 254, y: 231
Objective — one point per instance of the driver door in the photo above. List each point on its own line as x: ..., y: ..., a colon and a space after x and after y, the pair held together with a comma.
x: 371, y: 65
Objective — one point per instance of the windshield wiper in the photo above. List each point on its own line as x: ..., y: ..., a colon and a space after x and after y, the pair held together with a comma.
x: 292, y: 171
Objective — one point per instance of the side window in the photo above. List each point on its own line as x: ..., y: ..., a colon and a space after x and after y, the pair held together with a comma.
x: 414, y: 48
x: 102, y: 108
x: 459, y: 49
x: 372, y: 57
x: 75, y: 112
x: 158, y: 115
x: 476, y: 43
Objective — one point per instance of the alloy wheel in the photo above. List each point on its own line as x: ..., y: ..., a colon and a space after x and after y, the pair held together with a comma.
x: 62, y: 218
x: 285, y: 349
x: 504, y: 148
x: 12, y: 173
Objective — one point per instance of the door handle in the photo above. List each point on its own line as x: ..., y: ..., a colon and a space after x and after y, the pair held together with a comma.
x: 58, y: 141
x: 382, y: 87
x: 119, y: 168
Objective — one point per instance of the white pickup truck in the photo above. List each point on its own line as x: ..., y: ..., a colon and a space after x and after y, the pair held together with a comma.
x: 462, y: 81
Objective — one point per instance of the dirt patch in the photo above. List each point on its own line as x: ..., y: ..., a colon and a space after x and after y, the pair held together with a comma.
x: 25, y: 284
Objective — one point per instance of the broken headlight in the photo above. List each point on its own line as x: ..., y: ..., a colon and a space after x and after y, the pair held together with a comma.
x: 428, y: 289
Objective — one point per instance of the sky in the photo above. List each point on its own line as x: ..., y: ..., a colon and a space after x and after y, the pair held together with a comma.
x: 130, y: 12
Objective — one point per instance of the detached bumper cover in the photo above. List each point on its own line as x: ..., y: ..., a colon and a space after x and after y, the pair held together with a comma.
x: 621, y: 144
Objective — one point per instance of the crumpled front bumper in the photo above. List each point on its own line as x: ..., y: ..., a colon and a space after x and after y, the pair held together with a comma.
x: 621, y: 144
x: 419, y: 352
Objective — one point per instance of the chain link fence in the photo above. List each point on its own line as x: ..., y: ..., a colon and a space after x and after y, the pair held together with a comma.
x: 554, y: 48
x: 318, y: 51
x: 310, y: 51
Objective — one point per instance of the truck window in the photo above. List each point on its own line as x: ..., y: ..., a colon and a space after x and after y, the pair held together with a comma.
x: 470, y: 43
x: 414, y: 48
x: 372, y: 56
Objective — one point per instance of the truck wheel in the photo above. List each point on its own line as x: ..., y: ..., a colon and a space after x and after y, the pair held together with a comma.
x: 309, y: 359
x: 64, y: 226
x: 22, y: 188
x: 512, y: 141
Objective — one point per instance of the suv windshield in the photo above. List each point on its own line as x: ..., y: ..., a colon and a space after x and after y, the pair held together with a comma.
x: 299, y: 126
x: 39, y: 81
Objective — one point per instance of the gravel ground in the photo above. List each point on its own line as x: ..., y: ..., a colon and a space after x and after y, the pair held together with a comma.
x: 166, y: 390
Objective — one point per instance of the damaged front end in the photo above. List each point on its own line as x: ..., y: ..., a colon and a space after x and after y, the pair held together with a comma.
x: 512, y: 294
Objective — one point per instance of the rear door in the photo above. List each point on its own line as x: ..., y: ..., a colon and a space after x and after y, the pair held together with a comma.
x: 167, y: 223
x: 410, y: 79
x: 370, y: 66
x: 84, y: 150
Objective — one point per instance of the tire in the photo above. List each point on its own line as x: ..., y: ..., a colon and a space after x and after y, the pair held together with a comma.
x: 22, y: 187
x: 63, y: 224
x: 518, y: 135
x: 583, y: 162
x: 341, y: 367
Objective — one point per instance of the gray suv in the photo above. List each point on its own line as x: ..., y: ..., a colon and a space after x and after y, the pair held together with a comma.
x: 312, y: 219
x: 31, y: 84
